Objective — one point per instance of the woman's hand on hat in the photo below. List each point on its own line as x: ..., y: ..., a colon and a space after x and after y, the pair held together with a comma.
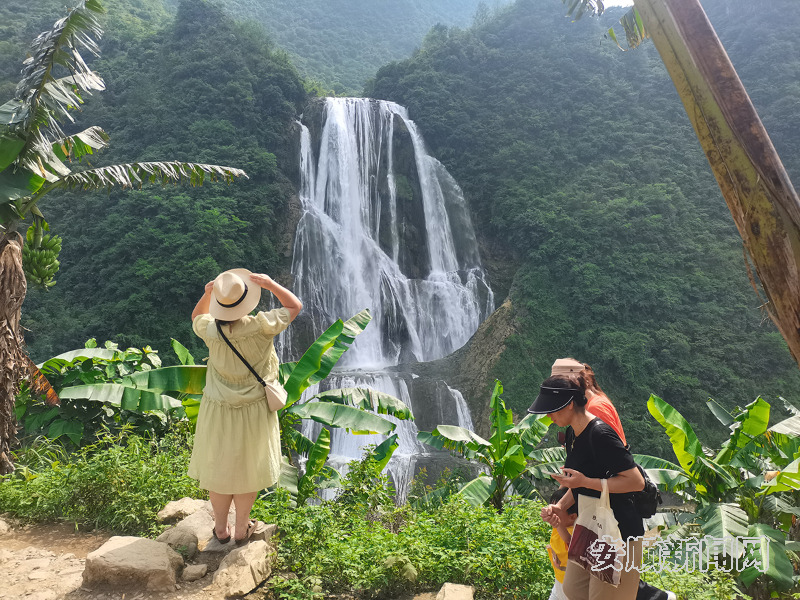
x: 570, y: 478
x: 264, y: 281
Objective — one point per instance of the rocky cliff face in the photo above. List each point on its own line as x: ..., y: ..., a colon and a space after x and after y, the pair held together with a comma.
x: 469, y: 370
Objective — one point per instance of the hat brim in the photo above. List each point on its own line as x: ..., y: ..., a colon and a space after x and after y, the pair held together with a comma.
x: 245, y: 307
x: 552, y: 400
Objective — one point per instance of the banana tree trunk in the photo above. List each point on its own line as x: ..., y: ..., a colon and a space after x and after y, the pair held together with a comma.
x: 12, y: 358
x: 749, y: 171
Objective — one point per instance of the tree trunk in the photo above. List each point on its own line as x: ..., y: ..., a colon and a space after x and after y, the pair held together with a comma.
x: 754, y: 183
x: 13, y: 363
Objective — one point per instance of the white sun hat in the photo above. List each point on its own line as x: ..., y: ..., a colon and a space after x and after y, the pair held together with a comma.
x: 234, y: 295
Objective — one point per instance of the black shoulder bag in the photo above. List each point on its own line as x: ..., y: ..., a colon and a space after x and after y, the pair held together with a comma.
x: 645, y: 501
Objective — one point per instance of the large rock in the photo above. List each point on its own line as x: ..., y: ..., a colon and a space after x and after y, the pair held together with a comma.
x: 244, y: 569
x: 128, y: 563
x: 190, y: 535
x: 180, y: 509
x: 194, y: 572
x: 454, y: 591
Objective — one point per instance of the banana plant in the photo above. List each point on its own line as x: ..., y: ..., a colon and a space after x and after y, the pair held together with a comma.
x: 749, y: 485
x: 36, y: 158
x: 95, y: 375
x: 503, y: 456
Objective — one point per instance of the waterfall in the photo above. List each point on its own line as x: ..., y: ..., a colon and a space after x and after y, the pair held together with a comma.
x: 384, y: 226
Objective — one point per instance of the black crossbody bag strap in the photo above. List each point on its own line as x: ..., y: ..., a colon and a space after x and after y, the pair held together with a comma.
x: 236, y: 352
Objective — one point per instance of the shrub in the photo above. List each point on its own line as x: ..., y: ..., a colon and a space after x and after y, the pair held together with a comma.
x: 371, y: 549
x: 118, y: 483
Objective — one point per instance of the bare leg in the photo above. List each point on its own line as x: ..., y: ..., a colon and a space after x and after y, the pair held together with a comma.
x: 243, y: 503
x: 221, y: 503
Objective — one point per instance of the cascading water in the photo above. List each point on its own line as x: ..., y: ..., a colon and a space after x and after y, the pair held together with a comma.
x: 385, y: 227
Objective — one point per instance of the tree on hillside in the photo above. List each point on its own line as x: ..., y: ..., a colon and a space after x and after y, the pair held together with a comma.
x: 34, y: 151
x: 754, y: 183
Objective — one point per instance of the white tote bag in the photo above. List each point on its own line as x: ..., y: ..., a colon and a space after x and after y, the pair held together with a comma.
x: 597, y: 544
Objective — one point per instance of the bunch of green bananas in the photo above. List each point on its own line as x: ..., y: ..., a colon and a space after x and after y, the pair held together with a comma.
x: 40, y: 257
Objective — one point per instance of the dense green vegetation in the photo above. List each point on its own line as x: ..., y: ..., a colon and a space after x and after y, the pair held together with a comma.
x: 583, y: 171
x: 595, y: 207
x: 359, y: 544
x: 118, y: 483
x: 205, y: 89
x: 342, y: 43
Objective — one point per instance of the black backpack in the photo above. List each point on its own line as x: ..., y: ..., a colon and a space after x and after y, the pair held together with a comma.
x: 646, y: 501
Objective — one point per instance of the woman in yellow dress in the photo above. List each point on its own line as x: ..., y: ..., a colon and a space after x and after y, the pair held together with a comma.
x: 237, y: 441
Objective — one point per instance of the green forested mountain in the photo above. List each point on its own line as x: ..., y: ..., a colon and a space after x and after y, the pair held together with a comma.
x: 342, y: 43
x: 584, y: 175
x: 205, y: 89
x: 595, y: 207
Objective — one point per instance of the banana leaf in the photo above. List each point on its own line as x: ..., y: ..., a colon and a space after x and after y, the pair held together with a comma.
x: 383, y: 452
x: 57, y: 363
x: 502, y: 419
x: 452, y: 437
x: 720, y: 520
x: 668, y: 479
x: 72, y: 429
x: 288, y: 480
x: 513, y: 462
x: 549, y: 454
x: 524, y: 488
x: 10, y: 147
x: 542, y: 471
x: 713, y: 480
x: 479, y: 490
x: 185, y: 379
x: 300, y: 443
x: 284, y: 371
x: 685, y: 444
x: 328, y: 478
x: 790, y: 426
x: 748, y: 425
x: 346, y: 417
x: 191, y: 407
x: 723, y: 416
x: 654, y: 462
x: 368, y: 399
x: 787, y: 479
x: 317, y: 362
x: 125, y: 397
x: 770, y: 552
x: 182, y: 352
x: 530, y: 430
x: 319, y: 453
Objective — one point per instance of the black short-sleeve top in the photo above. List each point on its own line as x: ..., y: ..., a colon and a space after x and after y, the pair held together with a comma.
x: 599, y: 453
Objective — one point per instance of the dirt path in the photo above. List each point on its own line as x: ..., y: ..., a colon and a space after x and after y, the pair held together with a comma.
x: 45, y: 562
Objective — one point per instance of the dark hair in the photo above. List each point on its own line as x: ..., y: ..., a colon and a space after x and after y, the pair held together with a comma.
x: 558, y: 494
x: 571, y: 380
x: 591, y: 382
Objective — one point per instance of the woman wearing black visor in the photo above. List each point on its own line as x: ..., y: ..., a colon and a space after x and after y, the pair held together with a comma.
x: 594, y: 453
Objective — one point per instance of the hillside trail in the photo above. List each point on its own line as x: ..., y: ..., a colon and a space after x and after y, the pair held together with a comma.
x: 46, y: 562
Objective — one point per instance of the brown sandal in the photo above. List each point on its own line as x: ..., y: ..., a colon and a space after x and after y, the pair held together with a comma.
x: 222, y: 541
x: 251, y: 527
